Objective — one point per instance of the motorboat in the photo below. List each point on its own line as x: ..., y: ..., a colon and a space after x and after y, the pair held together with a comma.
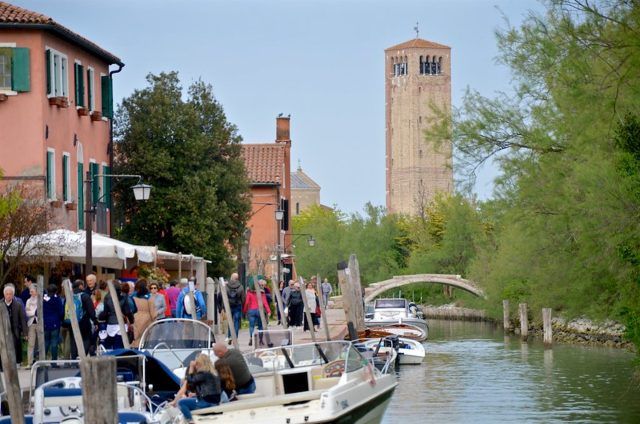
x: 308, y: 383
x: 398, y: 313
x: 410, y: 352
x: 177, y: 341
x: 383, y: 357
x: 143, y: 387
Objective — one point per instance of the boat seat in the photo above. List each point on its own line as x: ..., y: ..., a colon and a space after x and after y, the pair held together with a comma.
x: 62, y: 397
x: 261, y: 402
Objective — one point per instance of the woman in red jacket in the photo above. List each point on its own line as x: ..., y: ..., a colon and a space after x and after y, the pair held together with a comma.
x: 250, y: 308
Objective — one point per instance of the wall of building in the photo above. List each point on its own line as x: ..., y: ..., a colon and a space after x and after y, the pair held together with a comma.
x: 302, y: 198
x: 416, y: 169
x: 31, y: 126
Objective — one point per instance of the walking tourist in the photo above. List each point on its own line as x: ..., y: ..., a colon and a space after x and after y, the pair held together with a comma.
x: 173, y: 292
x: 17, y: 318
x: 313, y: 305
x: 85, y: 313
x: 158, y: 300
x: 295, y: 306
x: 52, y: 313
x: 114, y: 336
x: 31, y: 311
x: 245, y: 384
x: 326, y: 291
x: 237, y: 297
x: 251, y: 309
x: 25, y: 294
x: 145, y: 311
x: 184, y: 308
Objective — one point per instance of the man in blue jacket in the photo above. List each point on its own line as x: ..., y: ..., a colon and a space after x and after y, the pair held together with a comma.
x: 184, y: 308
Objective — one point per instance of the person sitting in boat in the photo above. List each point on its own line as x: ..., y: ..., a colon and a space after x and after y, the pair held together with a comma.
x: 245, y: 384
x: 203, y: 384
x: 227, y: 381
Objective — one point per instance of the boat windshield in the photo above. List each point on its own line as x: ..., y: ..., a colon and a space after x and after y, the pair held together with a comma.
x: 177, y: 334
x: 303, y: 355
x: 390, y: 303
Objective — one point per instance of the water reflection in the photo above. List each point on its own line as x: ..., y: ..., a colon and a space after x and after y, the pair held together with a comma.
x: 473, y: 373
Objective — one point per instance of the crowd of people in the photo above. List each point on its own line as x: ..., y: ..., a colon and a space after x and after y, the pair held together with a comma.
x: 141, y: 303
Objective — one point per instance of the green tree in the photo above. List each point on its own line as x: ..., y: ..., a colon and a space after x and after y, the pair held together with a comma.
x: 188, y: 151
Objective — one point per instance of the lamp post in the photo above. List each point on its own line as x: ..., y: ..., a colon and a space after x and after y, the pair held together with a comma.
x: 140, y: 192
x: 279, y: 215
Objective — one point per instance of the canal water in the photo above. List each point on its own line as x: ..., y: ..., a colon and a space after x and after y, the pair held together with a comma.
x: 473, y: 373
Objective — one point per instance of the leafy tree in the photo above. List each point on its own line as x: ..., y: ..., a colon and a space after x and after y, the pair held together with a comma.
x: 188, y: 151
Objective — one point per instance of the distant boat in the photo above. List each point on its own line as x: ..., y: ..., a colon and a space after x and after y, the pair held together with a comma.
x: 398, y: 316
x: 410, y: 352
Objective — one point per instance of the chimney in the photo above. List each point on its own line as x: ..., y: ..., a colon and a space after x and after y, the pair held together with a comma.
x: 283, y: 129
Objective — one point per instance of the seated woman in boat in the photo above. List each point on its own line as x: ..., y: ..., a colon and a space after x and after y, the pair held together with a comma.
x: 203, y: 384
x: 227, y: 382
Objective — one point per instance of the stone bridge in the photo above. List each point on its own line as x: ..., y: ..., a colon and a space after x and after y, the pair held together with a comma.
x: 376, y: 289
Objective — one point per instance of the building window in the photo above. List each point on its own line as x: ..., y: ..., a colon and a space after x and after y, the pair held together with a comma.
x: 66, y: 178
x: 14, y: 69
x: 78, y: 73
x: 297, y: 208
x: 5, y: 69
x: 51, y: 174
x: 57, y: 74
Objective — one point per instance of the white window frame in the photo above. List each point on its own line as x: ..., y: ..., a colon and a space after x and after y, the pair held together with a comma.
x: 9, y: 91
x: 66, y: 179
x: 51, y: 188
x: 91, y: 86
x: 60, y: 81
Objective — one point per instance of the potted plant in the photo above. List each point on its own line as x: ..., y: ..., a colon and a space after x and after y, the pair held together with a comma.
x: 83, y: 111
x: 71, y: 206
x: 55, y: 101
x: 64, y: 102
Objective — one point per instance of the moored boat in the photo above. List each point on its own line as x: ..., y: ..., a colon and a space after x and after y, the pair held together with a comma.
x: 401, y: 315
x: 410, y: 352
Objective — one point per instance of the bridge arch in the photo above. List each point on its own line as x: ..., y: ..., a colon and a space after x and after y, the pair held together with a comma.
x: 376, y: 289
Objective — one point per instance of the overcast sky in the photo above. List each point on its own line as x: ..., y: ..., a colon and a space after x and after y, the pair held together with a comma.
x: 320, y: 61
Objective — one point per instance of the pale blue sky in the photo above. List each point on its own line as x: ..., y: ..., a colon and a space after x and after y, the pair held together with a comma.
x: 320, y: 61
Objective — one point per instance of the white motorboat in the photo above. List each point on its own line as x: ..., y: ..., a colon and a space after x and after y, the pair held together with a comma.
x: 397, y: 312
x: 308, y: 383
x: 410, y: 352
x: 177, y: 341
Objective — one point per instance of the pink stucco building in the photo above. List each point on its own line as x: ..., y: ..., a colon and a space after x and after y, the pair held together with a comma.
x: 55, y: 113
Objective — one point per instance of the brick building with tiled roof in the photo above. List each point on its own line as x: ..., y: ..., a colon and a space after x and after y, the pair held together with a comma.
x: 55, y: 113
x: 268, y: 169
x: 304, y: 191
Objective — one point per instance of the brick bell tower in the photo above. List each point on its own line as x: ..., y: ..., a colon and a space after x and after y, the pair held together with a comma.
x: 417, y: 77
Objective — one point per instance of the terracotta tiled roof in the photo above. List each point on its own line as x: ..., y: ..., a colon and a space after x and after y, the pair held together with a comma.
x: 418, y: 43
x: 17, y: 17
x: 264, y: 162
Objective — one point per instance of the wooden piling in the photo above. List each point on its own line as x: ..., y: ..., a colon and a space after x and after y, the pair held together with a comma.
x: 227, y: 309
x: 261, y: 311
x: 524, y: 322
x: 347, y: 299
x: 307, y: 312
x: 275, y: 285
x: 75, y: 326
x: 99, y: 396
x: 356, y: 287
x: 505, y: 316
x: 546, y: 325
x: 210, y: 290
x: 10, y: 369
x: 42, y: 355
x: 119, y: 316
x: 323, y: 308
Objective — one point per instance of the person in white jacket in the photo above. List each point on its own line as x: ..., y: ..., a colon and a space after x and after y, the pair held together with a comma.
x: 31, y: 309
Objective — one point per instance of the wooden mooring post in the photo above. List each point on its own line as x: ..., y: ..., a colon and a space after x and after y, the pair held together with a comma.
x: 347, y: 299
x: 227, y: 310
x: 100, y: 404
x: 524, y: 322
x: 42, y: 354
x: 505, y: 316
x: 546, y: 326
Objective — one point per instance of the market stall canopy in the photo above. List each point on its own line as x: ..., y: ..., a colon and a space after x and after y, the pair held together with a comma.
x: 70, y: 246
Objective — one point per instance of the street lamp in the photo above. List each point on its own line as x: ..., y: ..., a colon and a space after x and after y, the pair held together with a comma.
x: 279, y: 215
x: 141, y: 192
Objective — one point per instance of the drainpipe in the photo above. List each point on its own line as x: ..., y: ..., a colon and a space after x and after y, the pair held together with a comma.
x: 120, y: 66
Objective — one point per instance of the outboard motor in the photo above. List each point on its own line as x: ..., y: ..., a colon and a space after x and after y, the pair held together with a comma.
x: 394, y: 341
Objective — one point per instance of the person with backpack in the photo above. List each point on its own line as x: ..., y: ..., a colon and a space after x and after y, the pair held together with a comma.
x: 184, y: 308
x: 114, y: 336
x: 236, y: 295
x: 53, y: 314
x: 86, y: 315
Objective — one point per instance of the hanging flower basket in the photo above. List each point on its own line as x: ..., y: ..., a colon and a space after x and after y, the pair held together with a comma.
x: 83, y: 111
x: 71, y: 206
x: 56, y: 203
x: 96, y: 115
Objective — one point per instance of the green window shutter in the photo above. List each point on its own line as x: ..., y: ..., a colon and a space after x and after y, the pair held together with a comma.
x: 47, y: 64
x: 65, y: 178
x: 107, y: 97
x: 50, y: 176
x: 89, y: 90
x: 106, y: 185
x: 80, y: 196
x: 79, y: 79
x: 20, y: 76
x: 95, y: 186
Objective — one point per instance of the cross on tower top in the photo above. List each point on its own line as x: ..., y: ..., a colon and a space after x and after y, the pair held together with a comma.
x: 417, y: 29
